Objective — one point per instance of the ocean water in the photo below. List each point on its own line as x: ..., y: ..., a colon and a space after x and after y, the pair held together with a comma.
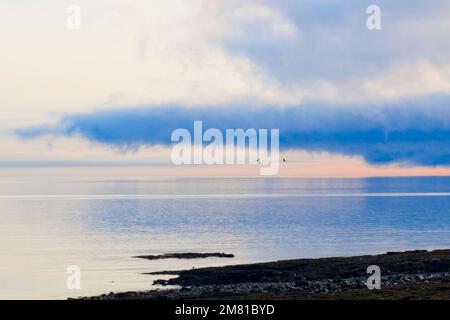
x: 99, y: 224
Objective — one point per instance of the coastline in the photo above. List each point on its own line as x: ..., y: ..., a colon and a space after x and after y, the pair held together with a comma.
x: 418, y: 274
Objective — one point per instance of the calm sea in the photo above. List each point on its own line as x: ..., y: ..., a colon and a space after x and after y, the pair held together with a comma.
x: 99, y: 224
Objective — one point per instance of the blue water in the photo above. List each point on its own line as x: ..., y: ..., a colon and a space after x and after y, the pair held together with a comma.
x: 47, y: 224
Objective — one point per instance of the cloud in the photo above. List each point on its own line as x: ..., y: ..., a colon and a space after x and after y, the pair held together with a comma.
x: 201, y: 53
x: 310, y: 68
x: 330, y: 41
x: 407, y: 133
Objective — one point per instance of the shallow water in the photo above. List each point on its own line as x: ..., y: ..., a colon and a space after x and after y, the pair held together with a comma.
x: 99, y: 224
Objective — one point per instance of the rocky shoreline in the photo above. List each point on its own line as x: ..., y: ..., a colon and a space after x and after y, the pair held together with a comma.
x: 404, y: 275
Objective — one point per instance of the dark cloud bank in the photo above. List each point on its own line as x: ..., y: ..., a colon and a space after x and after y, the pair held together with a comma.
x: 408, y: 133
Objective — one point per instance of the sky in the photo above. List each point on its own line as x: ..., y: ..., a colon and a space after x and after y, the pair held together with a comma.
x: 348, y: 101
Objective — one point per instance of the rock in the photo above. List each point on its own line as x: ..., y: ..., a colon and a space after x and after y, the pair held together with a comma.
x: 160, y: 282
x: 433, y: 261
x: 188, y: 255
x: 301, y: 281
